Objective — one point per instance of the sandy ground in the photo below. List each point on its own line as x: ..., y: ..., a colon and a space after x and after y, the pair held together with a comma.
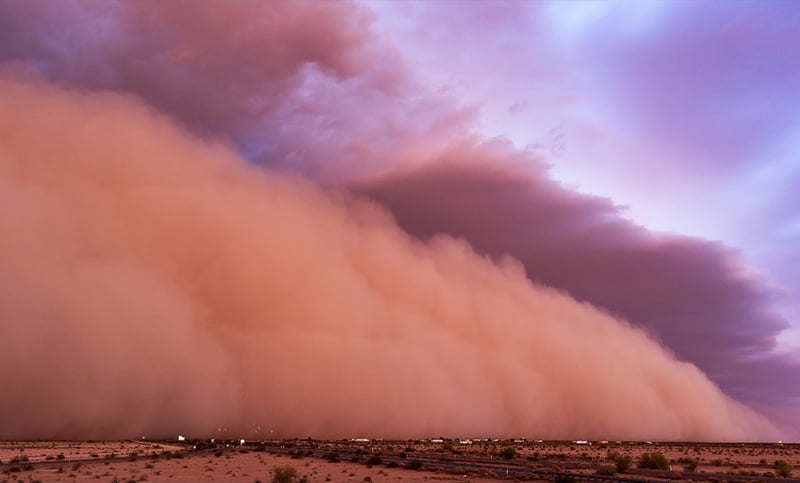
x: 153, y: 461
x: 711, y: 457
x: 234, y: 467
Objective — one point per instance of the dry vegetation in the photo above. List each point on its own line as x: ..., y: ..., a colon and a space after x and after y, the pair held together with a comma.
x: 410, y: 461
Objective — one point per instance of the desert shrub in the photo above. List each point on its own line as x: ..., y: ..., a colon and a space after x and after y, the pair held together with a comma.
x: 564, y: 479
x: 653, y: 461
x: 283, y: 474
x: 783, y: 469
x: 332, y: 457
x: 374, y: 460
x: 508, y: 453
x: 689, y: 464
x: 607, y: 470
x: 414, y: 465
x: 717, y: 462
x: 621, y: 462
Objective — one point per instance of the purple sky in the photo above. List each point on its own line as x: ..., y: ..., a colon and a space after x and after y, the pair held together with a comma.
x: 641, y: 156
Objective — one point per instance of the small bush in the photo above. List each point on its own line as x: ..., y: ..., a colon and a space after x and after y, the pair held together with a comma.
x: 283, y: 474
x: 374, y: 460
x: 607, y: 470
x: 414, y: 465
x: 621, y: 462
x: 508, y: 453
x: 689, y: 464
x: 783, y: 469
x: 564, y: 479
x: 653, y: 461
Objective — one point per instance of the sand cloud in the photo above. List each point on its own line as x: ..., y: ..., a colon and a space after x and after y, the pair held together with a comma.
x: 696, y: 296
x: 155, y: 283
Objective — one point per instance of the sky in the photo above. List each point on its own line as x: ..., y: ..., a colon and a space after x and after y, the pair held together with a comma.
x: 525, y: 215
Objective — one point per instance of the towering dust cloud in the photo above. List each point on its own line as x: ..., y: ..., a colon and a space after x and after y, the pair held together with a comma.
x: 153, y: 284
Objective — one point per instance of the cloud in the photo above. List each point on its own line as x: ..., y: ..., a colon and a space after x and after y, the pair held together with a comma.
x: 154, y: 283
x: 696, y: 296
x: 304, y: 86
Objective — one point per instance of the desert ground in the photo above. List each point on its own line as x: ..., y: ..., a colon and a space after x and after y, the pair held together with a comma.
x: 431, y: 461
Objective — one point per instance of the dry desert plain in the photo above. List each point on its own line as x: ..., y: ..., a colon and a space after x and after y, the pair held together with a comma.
x: 386, y: 461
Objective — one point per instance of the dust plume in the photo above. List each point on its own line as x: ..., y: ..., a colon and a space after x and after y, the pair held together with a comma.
x: 698, y: 297
x: 154, y: 284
